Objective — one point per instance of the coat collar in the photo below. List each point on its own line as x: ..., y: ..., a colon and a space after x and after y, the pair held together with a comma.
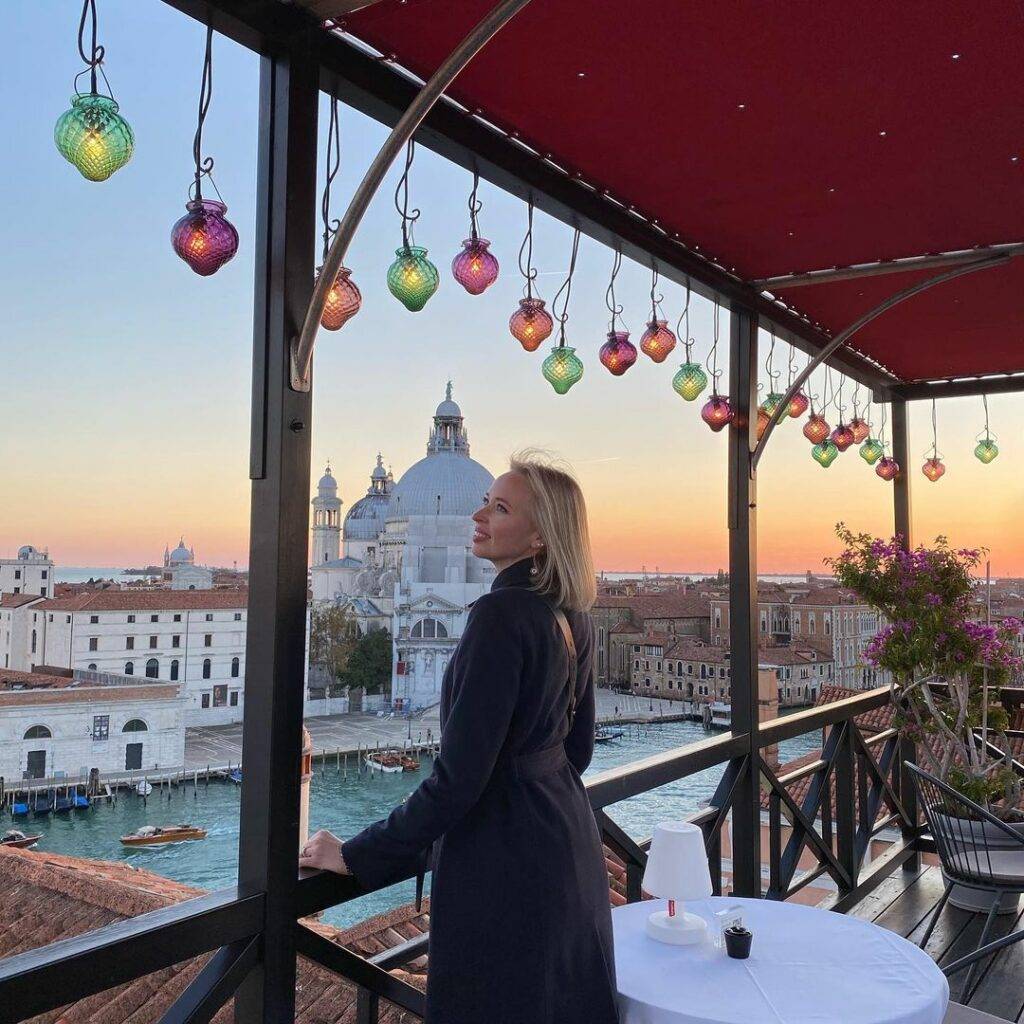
x: 515, y: 575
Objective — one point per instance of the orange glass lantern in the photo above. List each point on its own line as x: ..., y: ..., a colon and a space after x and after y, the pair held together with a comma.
x: 933, y: 468
x: 816, y: 428
x: 657, y: 341
x: 531, y: 324
x: 887, y: 468
x: 343, y: 301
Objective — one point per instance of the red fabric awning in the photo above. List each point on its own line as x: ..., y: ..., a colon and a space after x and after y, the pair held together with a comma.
x: 779, y: 138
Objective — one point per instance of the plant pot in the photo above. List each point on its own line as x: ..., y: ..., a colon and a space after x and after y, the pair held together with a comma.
x: 995, y: 837
x: 977, y: 901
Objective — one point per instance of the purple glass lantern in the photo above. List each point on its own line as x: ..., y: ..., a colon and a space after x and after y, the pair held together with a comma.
x: 204, y: 238
x: 618, y: 353
x: 475, y: 268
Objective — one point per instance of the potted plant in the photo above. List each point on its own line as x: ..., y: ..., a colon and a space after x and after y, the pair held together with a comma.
x: 946, y: 667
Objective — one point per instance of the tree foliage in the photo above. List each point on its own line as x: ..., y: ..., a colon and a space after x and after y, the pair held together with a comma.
x: 333, y: 635
x: 369, y: 664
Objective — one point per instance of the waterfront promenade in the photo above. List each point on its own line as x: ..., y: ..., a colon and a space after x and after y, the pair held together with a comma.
x: 219, y: 746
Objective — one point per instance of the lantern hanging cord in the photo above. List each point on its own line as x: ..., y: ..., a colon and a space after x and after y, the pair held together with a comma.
x: 791, y: 366
x: 609, y: 295
x: 935, y: 433
x: 205, y: 95
x: 772, y: 375
x: 685, y: 316
x: 333, y: 163
x: 984, y: 399
x: 408, y: 218
x: 656, y: 300
x: 713, y: 354
x: 839, y: 401
x: 881, y: 432
x: 527, y: 269
x: 856, y: 399
x: 95, y: 55
x: 567, y: 289
x: 475, y: 206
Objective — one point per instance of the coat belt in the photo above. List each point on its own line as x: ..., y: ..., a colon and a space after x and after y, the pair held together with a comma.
x: 535, y: 764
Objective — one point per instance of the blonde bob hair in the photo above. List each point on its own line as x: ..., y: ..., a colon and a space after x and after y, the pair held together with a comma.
x: 565, y: 567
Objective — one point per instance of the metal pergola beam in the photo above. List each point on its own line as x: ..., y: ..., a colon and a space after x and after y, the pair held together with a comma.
x: 961, y: 388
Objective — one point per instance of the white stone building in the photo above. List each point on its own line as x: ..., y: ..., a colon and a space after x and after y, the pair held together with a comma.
x: 192, y: 637
x: 14, y: 629
x: 64, y: 726
x: 30, y: 573
x: 407, y: 555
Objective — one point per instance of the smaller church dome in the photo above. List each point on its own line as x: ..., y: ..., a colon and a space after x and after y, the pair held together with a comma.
x: 449, y: 408
x: 180, y: 553
x: 379, y: 472
x: 327, y: 481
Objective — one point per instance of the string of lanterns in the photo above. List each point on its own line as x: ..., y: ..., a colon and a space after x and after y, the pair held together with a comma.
x: 95, y: 138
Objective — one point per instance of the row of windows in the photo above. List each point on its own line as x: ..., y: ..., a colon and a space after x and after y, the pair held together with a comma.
x: 220, y: 697
x: 100, y: 728
x: 153, y: 668
x: 156, y: 618
x: 43, y: 575
x: 129, y: 641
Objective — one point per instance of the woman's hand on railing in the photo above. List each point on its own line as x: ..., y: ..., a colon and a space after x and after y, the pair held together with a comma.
x: 323, y: 851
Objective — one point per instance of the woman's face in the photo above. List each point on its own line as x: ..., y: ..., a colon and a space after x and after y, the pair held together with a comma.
x: 505, y: 531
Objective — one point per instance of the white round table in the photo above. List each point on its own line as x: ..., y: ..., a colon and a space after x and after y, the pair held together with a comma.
x: 806, y: 966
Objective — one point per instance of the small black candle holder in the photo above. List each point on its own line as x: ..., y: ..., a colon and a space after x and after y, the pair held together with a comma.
x: 737, y: 942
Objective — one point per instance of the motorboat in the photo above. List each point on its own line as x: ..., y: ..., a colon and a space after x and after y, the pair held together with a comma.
x: 235, y: 775
x: 20, y: 841
x: 410, y: 764
x: 144, y: 788
x: 157, y: 835
x: 605, y: 733
x: 385, y: 761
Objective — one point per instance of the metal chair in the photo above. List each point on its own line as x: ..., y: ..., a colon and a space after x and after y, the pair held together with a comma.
x: 977, y: 851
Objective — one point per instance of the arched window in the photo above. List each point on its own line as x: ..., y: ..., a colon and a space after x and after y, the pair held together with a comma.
x: 33, y: 641
x: 428, y: 629
x: 135, y: 725
x: 37, y: 732
x: 234, y: 668
x: 92, y: 667
x: 174, y: 669
x: 206, y: 668
x: 129, y: 668
x: 152, y: 669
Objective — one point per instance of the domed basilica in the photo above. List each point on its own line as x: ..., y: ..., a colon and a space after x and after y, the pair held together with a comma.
x: 401, y: 558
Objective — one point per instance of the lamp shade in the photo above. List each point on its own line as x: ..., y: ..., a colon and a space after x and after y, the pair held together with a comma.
x: 677, y: 864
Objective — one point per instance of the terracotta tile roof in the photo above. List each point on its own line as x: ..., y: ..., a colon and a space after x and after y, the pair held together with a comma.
x: 688, y: 649
x: 792, y: 654
x: 625, y: 627
x: 147, y: 600
x: 670, y: 604
x: 9, y: 678
x: 17, y: 600
x: 871, y: 721
x: 52, y: 897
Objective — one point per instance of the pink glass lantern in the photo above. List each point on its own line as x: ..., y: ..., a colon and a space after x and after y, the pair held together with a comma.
x: 798, y: 405
x: 861, y: 429
x: 887, y: 468
x: 475, y: 268
x: 204, y: 238
x: 343, y: 301
x: 618, y: 353
x: 717, y: 412
x: 763, y: 419
x: 933, y: 468
x: 816, y: 428
x: 842, y: 437
x: 657, y: 341
x: 531, y: 323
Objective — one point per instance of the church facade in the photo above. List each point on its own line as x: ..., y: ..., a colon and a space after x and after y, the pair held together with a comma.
x: 402, y: 555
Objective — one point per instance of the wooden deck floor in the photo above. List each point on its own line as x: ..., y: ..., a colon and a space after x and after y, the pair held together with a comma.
x: 903, y: 904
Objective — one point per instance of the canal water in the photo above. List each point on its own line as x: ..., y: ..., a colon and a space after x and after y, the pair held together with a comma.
x: 345, y: 804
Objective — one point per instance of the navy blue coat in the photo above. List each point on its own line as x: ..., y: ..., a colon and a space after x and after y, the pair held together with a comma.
x: 520, y: 920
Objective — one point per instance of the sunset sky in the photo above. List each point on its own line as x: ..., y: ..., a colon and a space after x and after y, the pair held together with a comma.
x: 126, y: 378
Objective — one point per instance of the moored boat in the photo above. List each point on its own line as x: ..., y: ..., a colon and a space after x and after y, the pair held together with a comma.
x: 20, y: 841
x: 410, y: 764
x: 156, y: 835
x: 605, y: 733
x: 384, y: 761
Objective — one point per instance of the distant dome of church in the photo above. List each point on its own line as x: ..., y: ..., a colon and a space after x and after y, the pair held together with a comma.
x: 181, y: 555
x: 327, y: 481
x: 365, y: 519
x: 447, y: 481
x: 29, y: 551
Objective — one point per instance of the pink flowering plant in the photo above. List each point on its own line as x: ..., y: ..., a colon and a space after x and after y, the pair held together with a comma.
x: 946, y: 667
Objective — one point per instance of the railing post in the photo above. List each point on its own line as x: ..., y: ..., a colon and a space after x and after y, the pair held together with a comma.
x: 746, y: 813
x: 902, y: 528
x: 846, y: 802
x: 279, y: 526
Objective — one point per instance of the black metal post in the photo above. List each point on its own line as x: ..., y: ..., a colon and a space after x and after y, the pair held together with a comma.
x: 746, y: 813
x: 279, y: 529
x: 902, y: 528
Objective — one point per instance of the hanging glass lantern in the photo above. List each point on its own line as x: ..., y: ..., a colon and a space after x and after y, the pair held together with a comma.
x: 343, y: 301
x: 798, y: 405
x: 825, y: 453
x: 871, y: 451
x: 531, y: 323
x: 204, y: 238
x: 412, y: 278
x: 772, y: 402
x: 861, y: 429
x: 933, y: 468
x: 690, y: 380
x: 986, y: 450
x: 887, y: 468
x: 475, y: 268
x: 618, y: 353
x: 94, y: 137
x: 717, y: 412
x: 842, y: 437
x: 763, y: 419
x: 562, y: 368
x: 657, y: 341
x: 816, y: 428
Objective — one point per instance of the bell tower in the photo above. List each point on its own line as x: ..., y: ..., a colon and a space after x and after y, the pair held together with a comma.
x: 326, y: 520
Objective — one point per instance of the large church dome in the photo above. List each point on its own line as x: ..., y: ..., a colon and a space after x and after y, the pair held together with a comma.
x: 365, y: 519
x: 447, y: 481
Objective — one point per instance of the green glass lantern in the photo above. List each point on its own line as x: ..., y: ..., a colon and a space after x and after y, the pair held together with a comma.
x: 772, y: 402
x: 825, y: 453
x: 562, y: 368
x: 94, y: 136
x: 412, y: 278
x: 986, y: 451
x: 690, y: 380
x: 871, y: 451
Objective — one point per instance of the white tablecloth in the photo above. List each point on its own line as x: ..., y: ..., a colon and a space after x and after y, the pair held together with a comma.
x: 806, y: 966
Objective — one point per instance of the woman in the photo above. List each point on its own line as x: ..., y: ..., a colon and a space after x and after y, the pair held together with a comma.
x: 520, y: 921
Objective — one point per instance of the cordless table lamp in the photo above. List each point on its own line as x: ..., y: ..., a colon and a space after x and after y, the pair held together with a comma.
x: 677, y: 870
